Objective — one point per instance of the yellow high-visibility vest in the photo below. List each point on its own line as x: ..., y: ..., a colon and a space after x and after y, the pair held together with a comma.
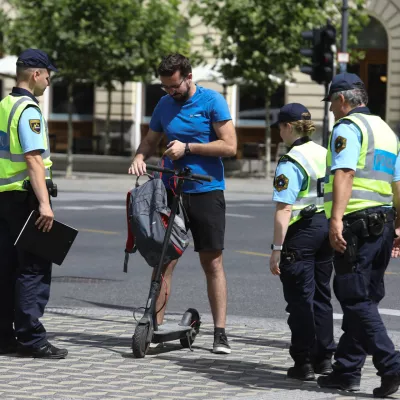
x: 312, y: 158
x: 375, y: 165
x: 13, y: 168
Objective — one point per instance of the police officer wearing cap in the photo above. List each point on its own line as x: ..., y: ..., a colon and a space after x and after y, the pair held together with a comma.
x: 301, y: 254
x: 361, y: 161
x: 25, y: 185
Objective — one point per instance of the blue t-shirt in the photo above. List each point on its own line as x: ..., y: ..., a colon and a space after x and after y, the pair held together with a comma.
x: 30, y: 130
x: 290, y: 179
x: 191, y: 122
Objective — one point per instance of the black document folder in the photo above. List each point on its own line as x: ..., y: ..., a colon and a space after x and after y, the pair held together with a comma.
x: 53, y: 245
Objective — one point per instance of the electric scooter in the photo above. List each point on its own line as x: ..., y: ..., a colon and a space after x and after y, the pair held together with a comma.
x: 147, y: 330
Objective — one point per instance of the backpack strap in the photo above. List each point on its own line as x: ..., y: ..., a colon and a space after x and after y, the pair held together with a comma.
x: 130, y: 241
x: 137, y: 179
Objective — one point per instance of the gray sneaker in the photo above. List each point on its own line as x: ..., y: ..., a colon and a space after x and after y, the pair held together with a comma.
x: 221, y: 345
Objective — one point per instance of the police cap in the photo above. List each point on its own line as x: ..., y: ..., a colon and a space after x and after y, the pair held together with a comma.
x: 342, y: 82
x: 292, y: 112
x: 35, y: 58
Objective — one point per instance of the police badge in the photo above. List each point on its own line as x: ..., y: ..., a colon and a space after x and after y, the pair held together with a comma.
x: 35, y: 125
x: 340, y: 144
x: 281, y: 182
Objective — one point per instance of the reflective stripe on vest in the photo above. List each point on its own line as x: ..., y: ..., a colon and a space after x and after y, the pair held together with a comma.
x: 20, y: 177
x: 372, y: 180
x: 13, y: 168
x: 311, y: 157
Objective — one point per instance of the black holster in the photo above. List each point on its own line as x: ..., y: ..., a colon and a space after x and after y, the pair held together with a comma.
x: 32, y: 199
x: 353, y: 230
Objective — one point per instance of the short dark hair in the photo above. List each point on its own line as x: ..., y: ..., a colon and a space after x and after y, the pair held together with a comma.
x: 172, y: 63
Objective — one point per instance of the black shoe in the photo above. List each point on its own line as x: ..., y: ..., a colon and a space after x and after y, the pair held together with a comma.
x: 303, y: 372
x: 8, y: 348
x: 45, y: 351
x: 323, y: 367
x: 389, y: 385
x: 332, y: 381
x: 221, y: 345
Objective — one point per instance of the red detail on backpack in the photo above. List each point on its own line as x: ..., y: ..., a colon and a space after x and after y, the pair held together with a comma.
x: 178, y: 250
x: 165, y: 219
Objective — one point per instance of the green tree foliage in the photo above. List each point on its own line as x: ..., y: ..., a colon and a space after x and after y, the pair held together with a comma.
x: 69, y: 31
x: 139, y: 35
x: 261, y: 39
x: 101, y: 41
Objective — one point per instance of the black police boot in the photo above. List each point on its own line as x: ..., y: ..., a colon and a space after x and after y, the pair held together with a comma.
x: 389, y: 385
x: 8, y: 347
x: 303, y: 372
x: 323, y: 367
x: 45, y: 351
x: 333, y: 381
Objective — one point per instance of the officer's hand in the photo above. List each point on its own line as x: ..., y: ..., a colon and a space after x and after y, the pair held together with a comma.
x: 396, y: 245
x: 46, y: 218
x: 138, y: 167
x: 336, y: 235
x: 176, y: 150
x: 274, y: 262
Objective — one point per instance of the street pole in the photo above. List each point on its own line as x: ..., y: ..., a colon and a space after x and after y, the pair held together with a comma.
x: 345, y: 25
x: 325, y: 124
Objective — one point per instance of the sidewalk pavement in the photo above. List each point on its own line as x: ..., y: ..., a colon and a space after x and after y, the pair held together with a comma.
x: 100, y: 364
x: 115, y: 183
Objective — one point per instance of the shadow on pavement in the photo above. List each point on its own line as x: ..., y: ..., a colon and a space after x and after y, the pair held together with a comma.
x: 256, y: 341
x: 249, y: 375
x: 92, y: 318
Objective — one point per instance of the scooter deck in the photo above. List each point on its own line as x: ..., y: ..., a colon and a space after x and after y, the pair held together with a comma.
x: 170, y: 331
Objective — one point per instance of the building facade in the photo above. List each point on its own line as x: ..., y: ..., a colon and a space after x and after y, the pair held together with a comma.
x: 133, y: 103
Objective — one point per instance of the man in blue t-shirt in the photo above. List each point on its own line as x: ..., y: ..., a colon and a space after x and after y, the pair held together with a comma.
x: 199, y: 129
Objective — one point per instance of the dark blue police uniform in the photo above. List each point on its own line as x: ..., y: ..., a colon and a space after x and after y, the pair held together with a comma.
x: 306, y: 266
x: 24, y: 277
x: 370, y: 233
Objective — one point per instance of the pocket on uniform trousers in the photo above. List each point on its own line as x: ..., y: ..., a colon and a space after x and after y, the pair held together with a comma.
x: 350, y: 287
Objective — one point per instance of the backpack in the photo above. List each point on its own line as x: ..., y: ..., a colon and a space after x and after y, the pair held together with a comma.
x: 148, y: 215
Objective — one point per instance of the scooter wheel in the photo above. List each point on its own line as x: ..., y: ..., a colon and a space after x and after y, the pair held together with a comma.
x: 139, y: 345
x: 190, y: 318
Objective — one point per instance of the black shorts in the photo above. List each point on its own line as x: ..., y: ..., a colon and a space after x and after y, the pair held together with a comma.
x: 206, y: 214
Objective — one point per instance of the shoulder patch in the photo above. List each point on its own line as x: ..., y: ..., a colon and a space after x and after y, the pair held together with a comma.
x: 340, y: 144
x: 35, y: 125
x: 281, y: 182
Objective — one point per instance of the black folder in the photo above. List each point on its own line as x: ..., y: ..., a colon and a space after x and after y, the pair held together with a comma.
x: 53, y: 245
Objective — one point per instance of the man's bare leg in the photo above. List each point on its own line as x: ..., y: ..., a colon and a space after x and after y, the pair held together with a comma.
x: 211, y: 261
x: 165, y: 290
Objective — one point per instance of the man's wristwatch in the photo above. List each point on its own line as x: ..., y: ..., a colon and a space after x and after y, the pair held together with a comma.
x: 275, y: 247
x: 187, y: 149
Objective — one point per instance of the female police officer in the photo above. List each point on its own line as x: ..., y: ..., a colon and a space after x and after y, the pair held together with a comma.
x: 301, y: 253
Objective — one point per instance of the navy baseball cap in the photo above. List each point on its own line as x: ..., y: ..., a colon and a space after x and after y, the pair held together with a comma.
x: 342, y: 82
x: 35, y: 58
x: 292, y: 112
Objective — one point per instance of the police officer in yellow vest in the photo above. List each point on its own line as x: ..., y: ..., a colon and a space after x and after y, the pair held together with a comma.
x: 358, y: 201
x: 301, y: 254
x: 25, y: 185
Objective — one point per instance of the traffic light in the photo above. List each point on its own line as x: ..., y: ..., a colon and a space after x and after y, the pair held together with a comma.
x: 321, y: 53
x: 328, y: 45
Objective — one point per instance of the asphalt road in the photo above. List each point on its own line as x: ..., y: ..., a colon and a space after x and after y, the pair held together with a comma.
x: 92, y: 274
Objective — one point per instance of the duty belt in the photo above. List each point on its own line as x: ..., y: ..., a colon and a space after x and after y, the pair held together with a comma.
x: 387, y: 213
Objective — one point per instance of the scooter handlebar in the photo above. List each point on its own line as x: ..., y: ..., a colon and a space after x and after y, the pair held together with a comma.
x: 174, y: 172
